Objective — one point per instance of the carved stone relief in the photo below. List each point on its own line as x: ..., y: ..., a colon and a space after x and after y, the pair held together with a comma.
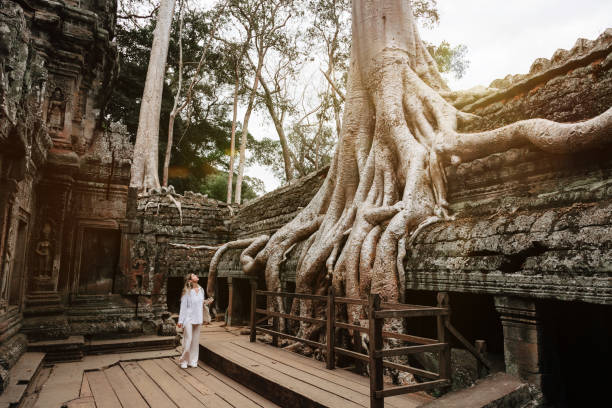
x: 56, y: 111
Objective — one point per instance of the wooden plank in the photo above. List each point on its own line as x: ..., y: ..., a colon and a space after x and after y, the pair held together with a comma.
x: 181, y: 374
x: 412, y: 370
x: 169, y: 385
x: 235, y: 394
x: 405, y: 389
x: 292, y: 317
x: 408, y: 337
x: 284, y: 381
x: 352, y: 354
x: 83, y: 402
x: 347, y: 326
x: 149, y: 390
x: 444, y: 356
x: 351, y: 301
x: 293, y: 295
x: 400, y: 351
x: 101, y: 390
x: 388, y: 335
x: 85, y: 389
x: 293, y: 373
x: 385, y: 305
x: 253, y: 323
x: 348, y: 379
x: 375, y: 325
x: 467, y: 344
x: 330, y: 357
x: 288, y: 336
x: 196, y: 388
x: 124, y: 389
x: 413, y: 312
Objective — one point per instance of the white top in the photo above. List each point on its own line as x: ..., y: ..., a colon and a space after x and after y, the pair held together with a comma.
x: 192, y: 304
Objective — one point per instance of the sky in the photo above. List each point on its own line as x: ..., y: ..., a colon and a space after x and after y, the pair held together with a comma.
x: 503, y: 37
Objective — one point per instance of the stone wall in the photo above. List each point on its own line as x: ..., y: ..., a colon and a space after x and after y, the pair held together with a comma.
x: 530, y: 223
x: 63, y: 178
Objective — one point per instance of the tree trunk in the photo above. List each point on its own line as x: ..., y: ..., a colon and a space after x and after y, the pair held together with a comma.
x: 386, y: 180
x: 245, y: 130
x: 230, y: 177
x: 175, y: 107
x: 144, y: 175
x: 278, y: 125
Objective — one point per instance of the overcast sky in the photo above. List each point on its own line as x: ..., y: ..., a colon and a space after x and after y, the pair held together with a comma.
x: 503, y: 37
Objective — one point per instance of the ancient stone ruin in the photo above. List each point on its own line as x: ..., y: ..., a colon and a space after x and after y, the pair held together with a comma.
x: 526, y: 259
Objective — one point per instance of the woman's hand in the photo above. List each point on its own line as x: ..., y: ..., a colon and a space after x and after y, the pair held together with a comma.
x: 179, y: 325
x: 209, y: 301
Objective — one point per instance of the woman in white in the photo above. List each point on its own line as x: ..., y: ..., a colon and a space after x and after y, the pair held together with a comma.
x: 190, y: 319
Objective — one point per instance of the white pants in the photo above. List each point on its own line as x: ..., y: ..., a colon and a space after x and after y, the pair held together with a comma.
x: 191, y: 343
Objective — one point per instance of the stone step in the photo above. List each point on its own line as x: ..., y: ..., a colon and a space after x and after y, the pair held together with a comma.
x: 75, y: 347
x: 496, y: 390
x: 20, y: 377
x: 63, y: 350
x: 141, y: 343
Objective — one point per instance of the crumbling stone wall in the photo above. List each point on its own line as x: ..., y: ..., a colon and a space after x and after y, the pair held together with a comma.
x: 61, y: 173
x: 530, y: 223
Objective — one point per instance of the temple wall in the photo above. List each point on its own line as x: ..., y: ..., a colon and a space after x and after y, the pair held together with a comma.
x: 63, y: 178
x: 530, y: 223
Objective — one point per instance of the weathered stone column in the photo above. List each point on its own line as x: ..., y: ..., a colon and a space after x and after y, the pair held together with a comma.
x: 524, y: 340
x: 45, y: 310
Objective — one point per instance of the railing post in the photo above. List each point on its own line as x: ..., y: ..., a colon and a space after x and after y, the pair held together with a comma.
x: 253, y: 307
x: 376, y: 344
x: 330, y: 329
x: 445, y: 354
x: 275, y: 324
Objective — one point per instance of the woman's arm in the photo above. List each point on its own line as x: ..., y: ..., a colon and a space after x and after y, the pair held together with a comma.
x: 183, y: 312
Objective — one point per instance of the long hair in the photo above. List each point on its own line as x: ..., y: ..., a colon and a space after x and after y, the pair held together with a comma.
x: 188, y: 284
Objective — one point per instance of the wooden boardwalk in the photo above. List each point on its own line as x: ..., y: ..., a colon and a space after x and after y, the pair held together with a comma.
x: 282, y: 375
x: 161, y: 383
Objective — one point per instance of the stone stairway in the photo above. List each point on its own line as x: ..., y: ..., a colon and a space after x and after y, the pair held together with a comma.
x: 496, y: 390
x: 20, y: 378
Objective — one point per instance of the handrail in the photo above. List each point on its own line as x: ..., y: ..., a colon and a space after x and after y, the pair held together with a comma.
x: 294, y: 295
x: 377, y: 311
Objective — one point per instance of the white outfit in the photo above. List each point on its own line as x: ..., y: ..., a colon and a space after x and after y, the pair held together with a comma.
x: 192, y: 305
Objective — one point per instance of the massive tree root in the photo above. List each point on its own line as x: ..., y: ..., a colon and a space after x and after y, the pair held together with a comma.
x: 387, y: 179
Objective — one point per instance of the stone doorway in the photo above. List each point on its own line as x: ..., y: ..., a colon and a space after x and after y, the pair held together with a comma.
x: 576, y: 352
x: 99, y: 261
x: 174, y: 291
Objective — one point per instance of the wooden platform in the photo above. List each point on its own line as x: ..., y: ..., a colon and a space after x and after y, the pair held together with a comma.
x: 161, y: 383
x: 288, y: 379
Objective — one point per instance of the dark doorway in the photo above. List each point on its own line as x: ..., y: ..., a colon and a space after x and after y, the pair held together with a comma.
x: 17, y: 277
x: 99, y: 261
x: 576, y: 353
x: 175, y: 290
x: 222, y: 296
x: 473, y: 315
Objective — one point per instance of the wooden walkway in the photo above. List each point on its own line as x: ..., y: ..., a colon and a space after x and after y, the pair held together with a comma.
x: 281, y: 375
x: 161, y: 383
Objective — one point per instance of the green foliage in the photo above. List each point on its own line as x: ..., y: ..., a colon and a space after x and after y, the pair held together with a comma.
x: 202, y: 130
x: 450, y: 60
x: 215, y: 186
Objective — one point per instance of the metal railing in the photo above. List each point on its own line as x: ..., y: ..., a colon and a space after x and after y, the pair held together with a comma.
x: 377, y: 312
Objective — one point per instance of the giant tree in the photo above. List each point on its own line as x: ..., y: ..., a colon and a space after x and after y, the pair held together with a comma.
x: 145, y: 163
x: 387, y: 176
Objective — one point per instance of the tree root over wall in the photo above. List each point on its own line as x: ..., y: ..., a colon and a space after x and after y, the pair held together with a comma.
x: 387, y: 180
